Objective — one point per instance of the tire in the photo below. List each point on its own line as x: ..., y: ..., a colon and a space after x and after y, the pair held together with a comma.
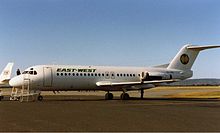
x: 108, y: 96
x: 40, y: 98
x: 125, y: 96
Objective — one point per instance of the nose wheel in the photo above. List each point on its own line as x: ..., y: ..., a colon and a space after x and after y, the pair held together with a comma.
x: 40, y: 98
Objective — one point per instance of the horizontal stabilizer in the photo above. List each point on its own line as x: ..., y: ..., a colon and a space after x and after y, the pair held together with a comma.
x: 199, y: 48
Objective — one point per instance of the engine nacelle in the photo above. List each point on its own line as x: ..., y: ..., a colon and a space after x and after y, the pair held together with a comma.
x: 165, y: 76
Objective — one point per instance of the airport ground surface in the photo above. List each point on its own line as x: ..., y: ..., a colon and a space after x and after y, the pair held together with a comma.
x: 77, y: 112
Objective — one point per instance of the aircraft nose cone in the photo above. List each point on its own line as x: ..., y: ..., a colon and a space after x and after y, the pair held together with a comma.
x: 16, y: 81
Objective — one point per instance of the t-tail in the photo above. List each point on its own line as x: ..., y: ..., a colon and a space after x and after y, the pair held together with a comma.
x: 186, y: 57
x: 6, y: 73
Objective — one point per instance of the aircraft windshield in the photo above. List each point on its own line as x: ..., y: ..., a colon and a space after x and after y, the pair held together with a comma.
x: 30, y: 72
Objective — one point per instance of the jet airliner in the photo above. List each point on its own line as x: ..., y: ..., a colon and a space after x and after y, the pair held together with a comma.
x: 108, y: 78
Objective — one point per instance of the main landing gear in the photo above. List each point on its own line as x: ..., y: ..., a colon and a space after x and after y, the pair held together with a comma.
x: 1, y: 97
x: 109, y: 96
x: 142, y: 93
x: 124, y: 96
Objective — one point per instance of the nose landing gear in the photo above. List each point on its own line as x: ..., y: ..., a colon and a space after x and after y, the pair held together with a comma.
x: 40, y: 98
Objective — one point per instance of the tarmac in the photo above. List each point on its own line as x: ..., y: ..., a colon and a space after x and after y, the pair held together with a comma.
x: 91, y: 113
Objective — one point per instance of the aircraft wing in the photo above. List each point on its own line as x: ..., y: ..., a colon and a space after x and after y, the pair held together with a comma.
x: 154, y: 82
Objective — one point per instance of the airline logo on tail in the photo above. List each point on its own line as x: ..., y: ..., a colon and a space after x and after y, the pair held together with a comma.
x: 184, y: 59
x: 6, y: 72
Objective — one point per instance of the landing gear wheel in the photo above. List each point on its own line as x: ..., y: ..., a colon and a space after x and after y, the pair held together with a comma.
x: 20, y: 99
x: 109, y: 96
x: 40, y: 98
x: 125, y: 96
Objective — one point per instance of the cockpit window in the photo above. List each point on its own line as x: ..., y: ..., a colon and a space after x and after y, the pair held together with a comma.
x: 30, y: 72
x: 25, y: 72
x: 35, y: 72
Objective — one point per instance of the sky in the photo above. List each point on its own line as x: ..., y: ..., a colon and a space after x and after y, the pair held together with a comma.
x: 108, y: 32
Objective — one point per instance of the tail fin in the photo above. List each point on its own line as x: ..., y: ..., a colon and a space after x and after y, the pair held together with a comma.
x: 186, y: 57
x: 6, y: 73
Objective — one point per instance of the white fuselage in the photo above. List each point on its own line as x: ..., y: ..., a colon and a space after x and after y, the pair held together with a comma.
x: 71, y: 77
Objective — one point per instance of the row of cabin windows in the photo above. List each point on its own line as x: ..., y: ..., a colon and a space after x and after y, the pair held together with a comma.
x: 96, y: 74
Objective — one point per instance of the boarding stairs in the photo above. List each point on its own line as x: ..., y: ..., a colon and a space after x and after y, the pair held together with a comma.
x: 24, y: 94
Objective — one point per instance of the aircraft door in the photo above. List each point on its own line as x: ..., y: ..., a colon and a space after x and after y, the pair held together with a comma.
x: 47, y: 76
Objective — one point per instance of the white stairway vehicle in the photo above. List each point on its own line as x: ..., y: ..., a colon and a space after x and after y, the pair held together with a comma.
x: 25, y: 93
